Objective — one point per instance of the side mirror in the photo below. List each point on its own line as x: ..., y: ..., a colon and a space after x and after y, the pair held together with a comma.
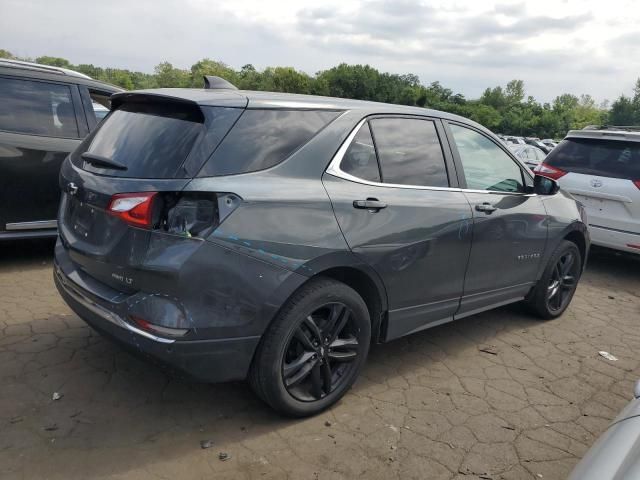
x: 545, y: 186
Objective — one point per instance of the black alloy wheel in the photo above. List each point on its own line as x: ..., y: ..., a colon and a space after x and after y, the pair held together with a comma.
x: 554, y: 290
x: 563, y: 281
x: 321, y: 353
x: 314, y: 349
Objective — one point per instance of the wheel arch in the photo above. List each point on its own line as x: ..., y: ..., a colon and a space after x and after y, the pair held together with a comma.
x: 342, y: 266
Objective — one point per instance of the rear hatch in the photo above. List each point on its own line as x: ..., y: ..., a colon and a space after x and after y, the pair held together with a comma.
x: 604, y: 175
x: 122, y: 188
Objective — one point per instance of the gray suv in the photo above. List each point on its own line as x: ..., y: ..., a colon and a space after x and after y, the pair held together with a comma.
x: 274, y: 237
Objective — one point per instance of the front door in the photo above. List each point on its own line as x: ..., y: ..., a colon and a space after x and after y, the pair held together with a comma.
x: 509, y: 222
x: 394, y: 204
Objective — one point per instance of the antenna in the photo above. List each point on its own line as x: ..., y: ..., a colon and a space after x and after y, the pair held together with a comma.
x: 211, y: 82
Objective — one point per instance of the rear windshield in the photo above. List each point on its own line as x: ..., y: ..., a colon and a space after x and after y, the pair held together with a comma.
x: 263, y: 138
x: 605, y: 158
x: 151, y: 140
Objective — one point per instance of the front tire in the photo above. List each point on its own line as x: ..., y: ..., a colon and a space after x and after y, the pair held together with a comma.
x: 314, y: 350
x: 553, y: 293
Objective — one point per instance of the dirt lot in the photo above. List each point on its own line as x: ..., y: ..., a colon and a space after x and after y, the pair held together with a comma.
x: 496, y: 396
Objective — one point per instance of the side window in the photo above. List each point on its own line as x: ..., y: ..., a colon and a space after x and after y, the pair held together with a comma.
x: 410, y: 152
x: 37, y: 108
x: 360, y: 159
x: 485, y: 165
x: 263, y: 138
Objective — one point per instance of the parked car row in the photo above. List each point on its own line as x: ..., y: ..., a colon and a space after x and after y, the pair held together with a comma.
x: 546, y: 145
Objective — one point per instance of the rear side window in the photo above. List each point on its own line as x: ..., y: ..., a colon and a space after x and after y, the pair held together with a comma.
x: 263, y: 138
x: 605, y: 158
x: 151, y: 140
x: 409, y: 151
x: 37, y: 108
x: 360, y: 159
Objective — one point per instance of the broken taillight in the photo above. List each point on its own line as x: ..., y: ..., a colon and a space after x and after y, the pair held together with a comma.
x: 188, y: 214
x: 134, y: 208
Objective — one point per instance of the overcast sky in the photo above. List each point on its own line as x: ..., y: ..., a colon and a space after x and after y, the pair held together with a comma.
x: 555, y: 46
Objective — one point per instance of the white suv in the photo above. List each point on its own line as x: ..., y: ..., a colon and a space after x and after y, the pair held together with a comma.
x: 600, y: 167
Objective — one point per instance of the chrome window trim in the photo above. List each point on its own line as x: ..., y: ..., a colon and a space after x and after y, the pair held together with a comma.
x: 335, y: 170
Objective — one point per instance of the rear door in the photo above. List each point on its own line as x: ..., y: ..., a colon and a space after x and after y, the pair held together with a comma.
x: 509, y: 224
x: 38, y: 129
x: 402, y: 217
x: 601, y: 173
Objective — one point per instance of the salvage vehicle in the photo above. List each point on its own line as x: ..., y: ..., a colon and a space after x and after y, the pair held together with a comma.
x: 235, y: 234
x: 600, y: 167
x: 44, y: 114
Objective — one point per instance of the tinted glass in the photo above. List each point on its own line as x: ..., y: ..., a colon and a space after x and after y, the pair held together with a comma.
x: 360, y: 159
x: 37, y: 108
x: 409, y: 152
x: 263, y: 138
x: 151, y: 141
x: 486, y: 166
x: 606, y: 158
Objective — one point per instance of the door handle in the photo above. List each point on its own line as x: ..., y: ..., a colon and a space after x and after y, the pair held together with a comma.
x: 372, y: 204
x: 485, y: 207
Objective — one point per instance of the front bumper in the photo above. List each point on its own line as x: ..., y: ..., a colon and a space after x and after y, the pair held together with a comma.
x: 216, y: 360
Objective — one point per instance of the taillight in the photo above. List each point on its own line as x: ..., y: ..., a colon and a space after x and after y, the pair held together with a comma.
x: 549, y: 171
x: 637, y: 183
x: 133, y: 208
x: 189, y: 214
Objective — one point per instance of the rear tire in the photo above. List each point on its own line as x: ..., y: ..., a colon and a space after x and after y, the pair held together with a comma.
x: 314, y: 350
x: 553, y: 293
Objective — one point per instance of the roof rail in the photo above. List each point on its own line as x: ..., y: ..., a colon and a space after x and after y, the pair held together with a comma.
x: 211, y: 82
x: 42, y: 68
x: 628, y: 128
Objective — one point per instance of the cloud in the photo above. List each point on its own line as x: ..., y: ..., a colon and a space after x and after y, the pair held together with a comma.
x: 467, y: 45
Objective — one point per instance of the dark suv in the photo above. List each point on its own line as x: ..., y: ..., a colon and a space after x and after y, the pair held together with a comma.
x: 44, y: 113
x: 273, y: 237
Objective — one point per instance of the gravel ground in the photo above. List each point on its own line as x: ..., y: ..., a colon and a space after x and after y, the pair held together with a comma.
x: 496, y: 396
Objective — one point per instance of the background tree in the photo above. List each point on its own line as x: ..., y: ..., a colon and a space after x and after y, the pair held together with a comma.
x: 505, y: 109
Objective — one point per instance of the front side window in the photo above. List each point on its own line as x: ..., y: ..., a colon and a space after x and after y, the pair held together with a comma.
x: 486, y: 166
x: 37, y: 108
x: 409, y: 151
x: 360, y: 159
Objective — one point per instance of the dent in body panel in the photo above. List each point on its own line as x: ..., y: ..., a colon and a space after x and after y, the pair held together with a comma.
x: 508, y: 244
x: 564, y: 217
x: 285, y: 221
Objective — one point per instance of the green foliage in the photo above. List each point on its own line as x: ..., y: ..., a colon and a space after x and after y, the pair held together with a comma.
x: 504, y: 109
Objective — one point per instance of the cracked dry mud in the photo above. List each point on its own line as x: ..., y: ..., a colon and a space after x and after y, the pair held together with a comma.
x: 499, y: 395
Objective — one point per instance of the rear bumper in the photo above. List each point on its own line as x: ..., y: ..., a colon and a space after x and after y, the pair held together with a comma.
x: 216, y: 360
x: 613, y: 238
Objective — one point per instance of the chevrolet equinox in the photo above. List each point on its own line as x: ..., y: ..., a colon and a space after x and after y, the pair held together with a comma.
x: 273, y: 237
